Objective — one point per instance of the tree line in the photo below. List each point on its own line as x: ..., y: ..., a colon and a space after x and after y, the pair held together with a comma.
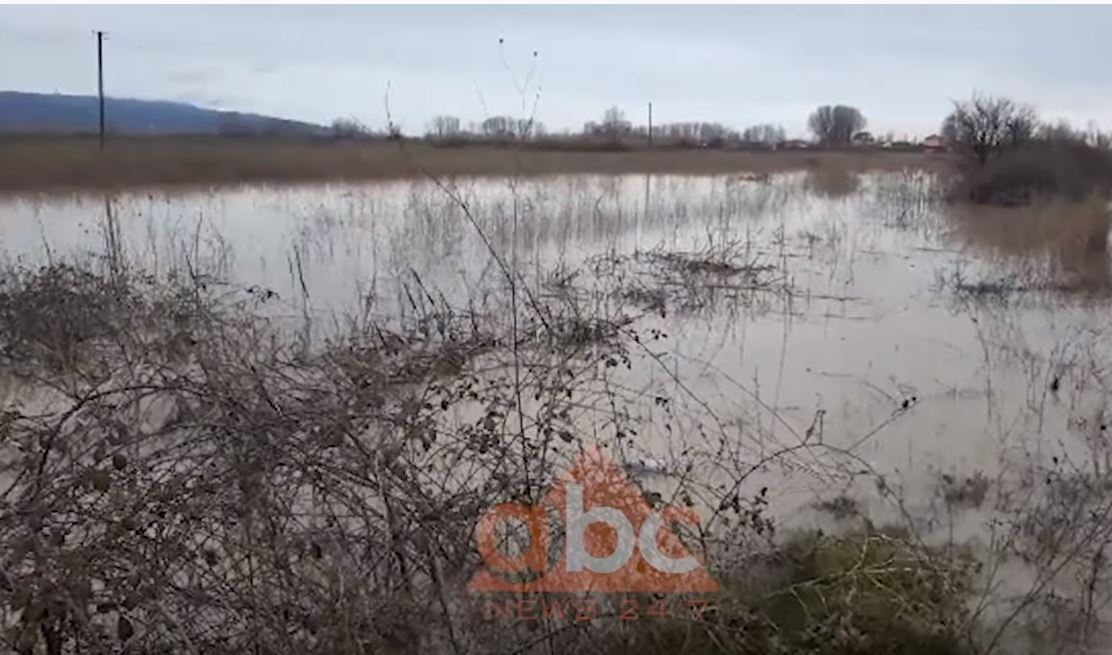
x: 614, y: 126
x: 980, y: 126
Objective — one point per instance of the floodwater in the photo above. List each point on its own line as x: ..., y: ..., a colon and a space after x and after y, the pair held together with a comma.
x: 893, y: 333
x: 915, y: 343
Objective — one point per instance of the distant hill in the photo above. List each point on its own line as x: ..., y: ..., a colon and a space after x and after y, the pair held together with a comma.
x: 69, y: 114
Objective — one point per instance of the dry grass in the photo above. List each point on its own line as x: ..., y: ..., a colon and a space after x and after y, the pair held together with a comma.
x: 1056, y: 225
x: 1072, y: 236
x: 45, y: 163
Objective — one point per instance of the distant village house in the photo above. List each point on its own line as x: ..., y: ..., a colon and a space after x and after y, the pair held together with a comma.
x: 934, y: 143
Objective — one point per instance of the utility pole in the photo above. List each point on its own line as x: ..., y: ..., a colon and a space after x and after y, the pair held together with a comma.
x: 650, y: 124
x: 100, y: 82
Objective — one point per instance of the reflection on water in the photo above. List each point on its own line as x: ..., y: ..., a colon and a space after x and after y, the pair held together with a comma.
x: 866, y: 336
x: 832, y: 181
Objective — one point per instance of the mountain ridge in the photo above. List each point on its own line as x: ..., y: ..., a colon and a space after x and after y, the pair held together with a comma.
x: 29, y: 112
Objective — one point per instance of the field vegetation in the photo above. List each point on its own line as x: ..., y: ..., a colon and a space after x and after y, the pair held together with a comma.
x: 52, y: 163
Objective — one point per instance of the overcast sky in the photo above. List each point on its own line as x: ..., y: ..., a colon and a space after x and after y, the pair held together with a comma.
x: 737, y: 65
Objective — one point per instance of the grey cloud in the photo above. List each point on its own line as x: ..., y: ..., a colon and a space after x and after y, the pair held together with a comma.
x: 735, y: 64
x: 194, y: 75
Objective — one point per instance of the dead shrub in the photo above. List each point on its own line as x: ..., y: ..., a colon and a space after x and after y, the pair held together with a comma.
x: 50, y: 315
x: 205, y: 483
x: 1038, y: 170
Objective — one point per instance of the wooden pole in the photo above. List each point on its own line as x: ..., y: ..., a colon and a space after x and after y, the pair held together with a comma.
x: 100, y: 82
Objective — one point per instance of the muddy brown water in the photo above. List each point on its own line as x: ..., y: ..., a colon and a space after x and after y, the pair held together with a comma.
x: 892, y: 334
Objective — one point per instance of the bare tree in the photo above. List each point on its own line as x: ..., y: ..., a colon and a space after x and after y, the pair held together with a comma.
x: 767, y: 134
x: 985, y: 125
x: 349, y: 128
x: 696, y: 133
x: 444, y: 126
x: 503, y: 127
x: 614, y: 123
x: 524, y: 128
x: 1096, y: 138
x: 1063, y: 131
x: 835, y: 125
x: 715, y: 134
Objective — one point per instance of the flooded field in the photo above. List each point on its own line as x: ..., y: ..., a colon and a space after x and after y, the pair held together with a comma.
x: 822, y: 348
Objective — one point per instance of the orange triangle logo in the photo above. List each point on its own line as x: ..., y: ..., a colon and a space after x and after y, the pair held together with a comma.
x: 594, y: 531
